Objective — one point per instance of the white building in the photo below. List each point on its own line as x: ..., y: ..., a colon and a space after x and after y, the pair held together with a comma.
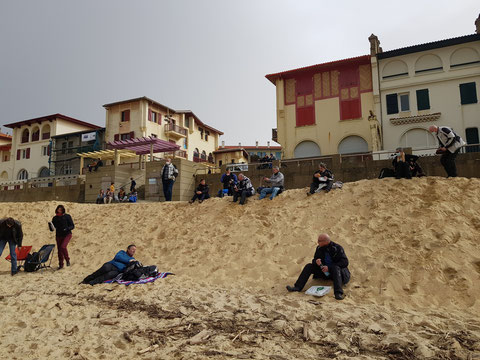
x: 435, y: 83
x: 30, y: 148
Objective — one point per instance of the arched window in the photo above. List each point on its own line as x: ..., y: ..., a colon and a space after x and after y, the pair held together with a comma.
x: 22, y: 175
x: 44, y: 172
x: 4, y: 175
x: 394, y: 68
x: 196, y: 153
x: 352, y: 144
x: 464, y: 56
x: 25, y: 136
x: 46, y: 132
x: 417, y: 138
x: 204, y: 155
x: 210, y: 158
x: 306, y: 149
x: 36, y: 134
x: 428, y: 62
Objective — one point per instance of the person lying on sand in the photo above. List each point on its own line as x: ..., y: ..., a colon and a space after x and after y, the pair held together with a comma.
x: 329, y: 262
x: 112, y: 268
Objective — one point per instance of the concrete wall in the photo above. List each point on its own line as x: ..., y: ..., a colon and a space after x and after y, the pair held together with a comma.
x: 72, y: 193
x: 184, y: 185
x: 298, y: 174
x: 105, y: 175
x: 443, y: 87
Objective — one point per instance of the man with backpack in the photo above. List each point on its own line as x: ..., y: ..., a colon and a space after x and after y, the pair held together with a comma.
x: 449, y: 146
x: 11, y: 233
x: 111, y: 269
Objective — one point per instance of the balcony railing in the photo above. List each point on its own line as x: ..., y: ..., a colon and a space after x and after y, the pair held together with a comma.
x: 178, y: 153
x: 169, y: 128
x: 198, y: 159
x: 274, y: 135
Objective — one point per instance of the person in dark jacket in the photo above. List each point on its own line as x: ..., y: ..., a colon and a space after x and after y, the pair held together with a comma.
x: 228, y: 180
x: 201, y: 192
x: 322, y: 177
x: 329, y: 262
x: 111, y: 269
x: 243, y: 189
x: 401, y: 166
x: 63, y: 226
x: 11, y: 233
x: 133, y: 184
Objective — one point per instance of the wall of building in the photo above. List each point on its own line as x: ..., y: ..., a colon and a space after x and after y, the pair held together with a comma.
x: 224, y: 158
x: 71, y: 193
x: 443, y: 87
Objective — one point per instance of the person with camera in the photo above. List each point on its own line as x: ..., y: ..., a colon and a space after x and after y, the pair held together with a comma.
x: 329, y: 262
x: 11, y: 233
x: 449, y: 146
x: 322, y: 180
x: 111, y: 269
x: 276, y: 184
x: 228, y: 180
x: 400, y: 165
x: 243, y: 189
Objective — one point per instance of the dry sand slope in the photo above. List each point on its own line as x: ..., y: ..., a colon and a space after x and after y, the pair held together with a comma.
x: 414, y: 256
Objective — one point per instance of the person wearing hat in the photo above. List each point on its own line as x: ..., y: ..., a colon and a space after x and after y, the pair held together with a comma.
x: 11, y: 233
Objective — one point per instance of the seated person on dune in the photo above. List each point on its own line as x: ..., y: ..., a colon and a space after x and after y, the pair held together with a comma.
x: 276, y: 184
x: 201, y: 192
x: 243, y: 189
x: 322, y: 180
x: 329, y: 262
x: 112, y: 268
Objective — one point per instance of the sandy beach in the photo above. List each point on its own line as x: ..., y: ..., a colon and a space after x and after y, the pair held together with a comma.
x: 414, y: 254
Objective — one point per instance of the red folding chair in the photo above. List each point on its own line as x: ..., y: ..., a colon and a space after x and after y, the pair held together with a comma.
x: 22, y: 253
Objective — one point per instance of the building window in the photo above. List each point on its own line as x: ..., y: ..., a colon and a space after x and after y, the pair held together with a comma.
x: 70, y: 147
x: 204, y: 155
x: 36, y: 134
x: 64, y: 148
x: 125, y: 115
x: 67, y: 169
x: 392, y: 104
x: 46, y: 150
x: 423, y: 99
x: 468, y: 93
x: 472, y: 138
x: 25, y: 136
x: 196, y: 153
x: 152, y: 116
x: 124, y: 136
x: 185, y: 143
x: 404, y: 102
x: 154, y: 136
x: 201, y: 132
x: 22, y: 175
x: 187, y: 122
x: 207, y: 133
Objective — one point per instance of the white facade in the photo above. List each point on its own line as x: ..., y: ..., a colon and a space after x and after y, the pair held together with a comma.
x: 30, y: 153
x: 431, y: 84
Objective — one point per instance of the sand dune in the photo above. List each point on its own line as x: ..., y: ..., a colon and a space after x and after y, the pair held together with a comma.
x: 413, y: 247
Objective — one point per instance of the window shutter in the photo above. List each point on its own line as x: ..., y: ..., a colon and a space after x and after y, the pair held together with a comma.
x: 468, y: 93
x: 132, y: 134
x: 423, y: 100
x: 392, y: 104
x: 116, y: 137
x: 127, y: 115
x: 149, y: 115
x: 18, y: 154
x: 28, y: 153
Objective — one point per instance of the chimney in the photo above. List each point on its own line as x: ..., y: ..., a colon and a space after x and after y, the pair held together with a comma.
x: 223, y: 143
x: 374, y: 45
x: 256, y: 143
x: 477, y: 24
x: 268, y: 144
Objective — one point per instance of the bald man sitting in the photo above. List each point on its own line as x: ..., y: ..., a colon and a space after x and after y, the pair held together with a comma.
x: 329, y: 262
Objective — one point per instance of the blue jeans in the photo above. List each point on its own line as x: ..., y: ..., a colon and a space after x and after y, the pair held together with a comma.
x: 274, y: 191
x: 167, y: 189
x: 11, y: 244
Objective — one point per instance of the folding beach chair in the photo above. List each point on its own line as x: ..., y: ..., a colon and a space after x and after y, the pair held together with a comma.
x: 22, y: 253
x: 39, y: 260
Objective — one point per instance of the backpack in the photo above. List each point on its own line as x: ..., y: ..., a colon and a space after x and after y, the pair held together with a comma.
x: 32, y: 262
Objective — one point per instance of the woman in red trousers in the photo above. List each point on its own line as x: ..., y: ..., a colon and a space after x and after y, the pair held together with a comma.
x: 63, y: 225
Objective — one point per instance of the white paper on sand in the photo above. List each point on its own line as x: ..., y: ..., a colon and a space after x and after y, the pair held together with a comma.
x: 318, y: 290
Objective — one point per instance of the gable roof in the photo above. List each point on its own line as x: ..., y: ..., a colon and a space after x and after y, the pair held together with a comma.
x: 321, y: 67
x: 429, y: 46
x: 51, y: 118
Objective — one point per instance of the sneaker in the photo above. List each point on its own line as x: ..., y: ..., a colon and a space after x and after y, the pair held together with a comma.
x: 190, y: 202
x: 60, y: 267
x: 309, y: 194
x: 200, y: 201
x: 68, y: 262
x: 14, y: 273
x: 292, y: 288
x: 339, y: 296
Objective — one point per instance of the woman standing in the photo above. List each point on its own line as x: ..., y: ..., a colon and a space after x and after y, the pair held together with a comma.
x: 64, y: 225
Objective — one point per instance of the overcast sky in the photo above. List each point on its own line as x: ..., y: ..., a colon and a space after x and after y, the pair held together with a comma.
x: 211, y: 57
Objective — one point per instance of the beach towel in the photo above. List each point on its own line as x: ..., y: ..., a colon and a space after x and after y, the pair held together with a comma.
x: 141, y: 281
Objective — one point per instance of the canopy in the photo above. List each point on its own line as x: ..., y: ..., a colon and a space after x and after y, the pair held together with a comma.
x: 145, y: 145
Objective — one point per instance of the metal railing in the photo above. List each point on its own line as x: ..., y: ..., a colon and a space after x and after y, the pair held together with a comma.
x: 176, y: 128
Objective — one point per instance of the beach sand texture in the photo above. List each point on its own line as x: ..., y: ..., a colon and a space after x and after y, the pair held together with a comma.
x: 414, y: 254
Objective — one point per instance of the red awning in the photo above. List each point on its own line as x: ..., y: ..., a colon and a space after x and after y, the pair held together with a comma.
x: 142, y: 146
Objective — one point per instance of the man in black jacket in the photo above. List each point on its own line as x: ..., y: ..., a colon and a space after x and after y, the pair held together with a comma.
x: 322, y: 177
x: 201, y: 192
x: 11, y: 233
x: 329, y: 262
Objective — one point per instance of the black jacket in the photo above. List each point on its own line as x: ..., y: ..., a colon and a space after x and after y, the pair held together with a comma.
x: 327, y: 174
x: 63, y: 224
x: 8, y: 233
x: 202, y: 188
x: 336, y: 252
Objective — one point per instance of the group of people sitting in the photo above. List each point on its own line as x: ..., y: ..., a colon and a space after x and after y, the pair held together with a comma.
x: 405, y: 166
x: 106, y: 197
x: 266, y: 162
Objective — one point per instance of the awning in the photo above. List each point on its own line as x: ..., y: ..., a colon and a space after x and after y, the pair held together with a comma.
x: 145, y: 145
x: 107, y: 154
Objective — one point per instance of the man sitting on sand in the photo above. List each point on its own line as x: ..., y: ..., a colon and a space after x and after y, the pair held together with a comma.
x: 243, y: 189
x: 201, y: 192
x: 329, y: 262
x: 276, y: 184
x: 112, y: 268
x: 322, y: 180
